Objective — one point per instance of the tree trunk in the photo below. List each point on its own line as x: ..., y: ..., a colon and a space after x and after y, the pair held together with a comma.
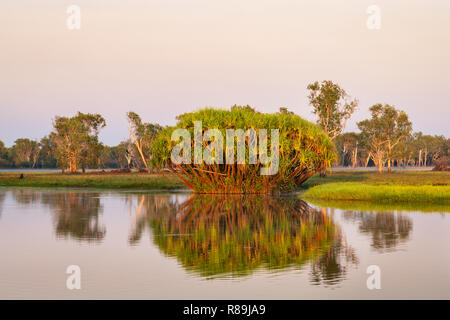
x: 389, y: 165
x: 139, y: 147
x: 420, y: 157
x: 367, y: 160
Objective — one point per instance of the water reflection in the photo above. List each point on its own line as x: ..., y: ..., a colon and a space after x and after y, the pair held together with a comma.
x: 387, y: 229
x: 160, y: 245
x: 234, y: 236
x: 26, y: 196
x: 76, y: 214
x: 2, y: 198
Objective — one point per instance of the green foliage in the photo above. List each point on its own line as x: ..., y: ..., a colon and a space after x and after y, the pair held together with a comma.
x: 303, y: 150
x: 350, y: 147
x: 25, y: 153
x: 47, y: 153
x: 76, y: 140
x: 428, y: 149
x: 386, y: 128
x: 4, y: 156
x: 143, y: 135
x: 331, y: 106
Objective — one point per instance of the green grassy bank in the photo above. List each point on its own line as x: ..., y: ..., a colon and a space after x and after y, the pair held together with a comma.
x: 133, y: 181
x: 410, y: 186
x: 379, y: 193
x: 397, y: 187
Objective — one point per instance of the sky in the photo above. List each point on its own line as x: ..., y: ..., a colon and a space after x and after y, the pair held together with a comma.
x: 161, y: 58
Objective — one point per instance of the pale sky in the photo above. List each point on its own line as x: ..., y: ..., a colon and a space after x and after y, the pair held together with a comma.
x: 161, y: 58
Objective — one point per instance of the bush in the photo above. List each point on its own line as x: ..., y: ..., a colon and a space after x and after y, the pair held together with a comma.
x: 303, y: 150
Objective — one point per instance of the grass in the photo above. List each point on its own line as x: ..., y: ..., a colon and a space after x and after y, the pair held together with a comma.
x: 410, y: 186
x: 379, y: 193
x: 374, y: 178
x: 139, y: 181
x: 415, y: 187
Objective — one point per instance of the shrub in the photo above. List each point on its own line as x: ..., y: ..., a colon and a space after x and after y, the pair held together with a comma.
x: 303, y: 150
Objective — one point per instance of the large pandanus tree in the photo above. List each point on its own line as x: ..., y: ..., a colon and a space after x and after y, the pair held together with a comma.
x: 295, y: 150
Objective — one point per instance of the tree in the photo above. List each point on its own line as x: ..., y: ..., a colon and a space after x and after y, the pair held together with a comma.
x: 332, y: 106
x: 47, y: 153
x: 383, y: 132
x: 76, y: 140
x: 25, y: 152
x: 4, y: 156
x: 3, y: 150
x: 143, y: 135
x: 300, y: 150
x: 285, y: 110
x: 429, y: 148
x: 125, y: 154
x: 349, y: 147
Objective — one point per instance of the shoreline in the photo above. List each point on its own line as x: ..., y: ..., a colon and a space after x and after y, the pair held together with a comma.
x: 350, y: 186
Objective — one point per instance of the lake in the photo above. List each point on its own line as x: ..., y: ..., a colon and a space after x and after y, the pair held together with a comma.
x: 160, y: 245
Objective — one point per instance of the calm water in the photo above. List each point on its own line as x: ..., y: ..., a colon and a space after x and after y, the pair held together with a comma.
x: 177, y: 246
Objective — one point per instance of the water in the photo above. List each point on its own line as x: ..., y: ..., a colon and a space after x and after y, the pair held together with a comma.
x: 176, y: 246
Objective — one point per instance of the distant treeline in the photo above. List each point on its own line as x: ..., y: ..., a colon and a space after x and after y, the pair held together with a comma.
x: 74, y: 145
x: 416, y: 150
x: 385, y: 139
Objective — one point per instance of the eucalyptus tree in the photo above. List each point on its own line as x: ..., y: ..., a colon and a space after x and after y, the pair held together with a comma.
x: 143, y: 135
x: 429, y: 148
x: 47, y: 153
x: 4, y: 155
x: 349, y: 148
x: 126, y: 154
x: 386, y: 128
x: 25, y: 152
x: 332, y: 106
x: 76, y: 140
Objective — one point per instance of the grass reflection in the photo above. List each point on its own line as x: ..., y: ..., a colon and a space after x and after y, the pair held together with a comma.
x: 381, y: 206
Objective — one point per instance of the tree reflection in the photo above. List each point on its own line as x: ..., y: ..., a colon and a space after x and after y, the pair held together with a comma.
x: 76, y: 215
x: 2, y: 198
x: 387, y: 229
x: 234, y: 236
x: 26, y: 196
